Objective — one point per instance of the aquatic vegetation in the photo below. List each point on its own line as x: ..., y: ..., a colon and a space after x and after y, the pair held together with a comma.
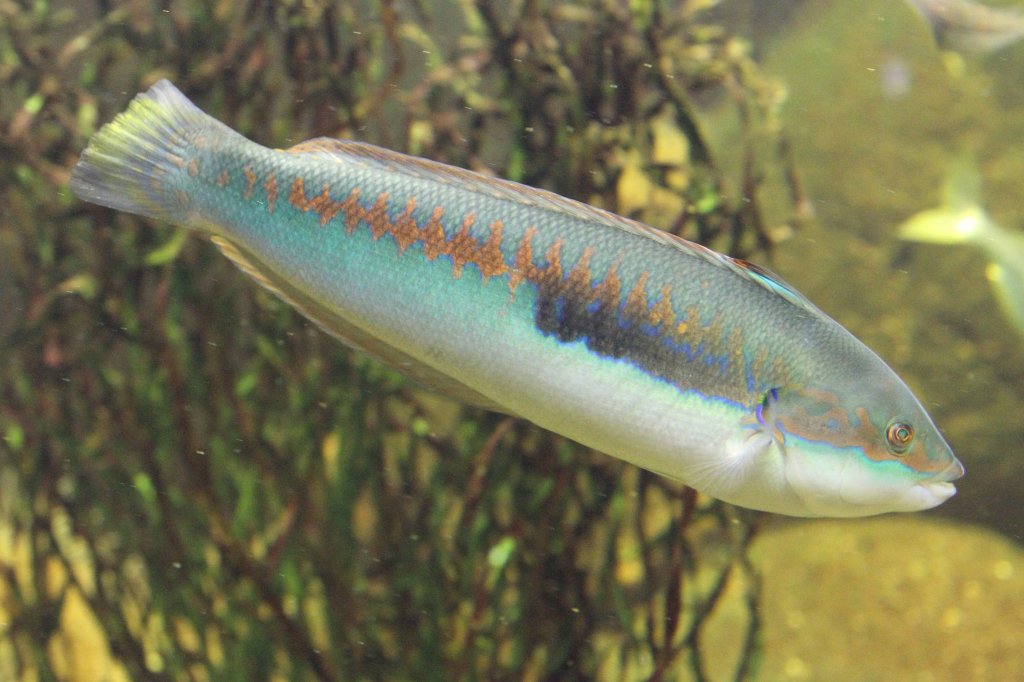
x: 205, y: 483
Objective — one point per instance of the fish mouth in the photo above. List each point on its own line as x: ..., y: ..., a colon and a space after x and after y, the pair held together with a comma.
x: 939, y: 491
x: 940, y: 487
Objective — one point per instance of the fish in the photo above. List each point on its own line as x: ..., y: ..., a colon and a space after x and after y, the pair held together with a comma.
x: 655, y: 350
x: 961, y: 220
x: 968, y: 26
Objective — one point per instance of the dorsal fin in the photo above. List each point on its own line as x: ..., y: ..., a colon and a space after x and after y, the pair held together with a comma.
x: 379, y: 158
x: 773, y: 282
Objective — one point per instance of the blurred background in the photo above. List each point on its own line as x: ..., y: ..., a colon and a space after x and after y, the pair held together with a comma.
x: 197, y: 484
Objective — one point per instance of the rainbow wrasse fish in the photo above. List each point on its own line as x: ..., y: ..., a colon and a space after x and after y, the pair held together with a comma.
x: 650, y: 348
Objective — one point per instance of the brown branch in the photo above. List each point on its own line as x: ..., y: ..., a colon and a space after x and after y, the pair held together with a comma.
x: 475, y: 484
x: 296, y: 638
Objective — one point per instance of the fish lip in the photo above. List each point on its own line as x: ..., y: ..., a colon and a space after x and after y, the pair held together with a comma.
x: 954, y: 471
x: 939, y: 490
x: 940, y: 487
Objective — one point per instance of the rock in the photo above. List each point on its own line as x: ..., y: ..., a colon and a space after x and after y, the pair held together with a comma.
x: 907, y: 598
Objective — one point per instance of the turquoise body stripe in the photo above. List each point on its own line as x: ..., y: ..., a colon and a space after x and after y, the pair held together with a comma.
x: 716, y: 357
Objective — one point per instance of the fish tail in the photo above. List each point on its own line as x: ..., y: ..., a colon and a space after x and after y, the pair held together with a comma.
x: 137, y: 161
x: 960, y: 219
x: 945, y: 226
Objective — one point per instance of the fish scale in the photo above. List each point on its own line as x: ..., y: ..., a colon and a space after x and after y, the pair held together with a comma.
x: 622, y: 337
x: 457, y: 229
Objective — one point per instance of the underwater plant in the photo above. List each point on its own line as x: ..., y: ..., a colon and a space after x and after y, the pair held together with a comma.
x: 201, y: 481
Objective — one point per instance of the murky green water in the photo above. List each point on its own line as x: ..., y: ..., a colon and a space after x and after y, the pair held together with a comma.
x: 874, y: 158
x: 196, y: 483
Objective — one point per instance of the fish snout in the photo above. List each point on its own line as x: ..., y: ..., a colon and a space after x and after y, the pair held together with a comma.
x: 954, y: 471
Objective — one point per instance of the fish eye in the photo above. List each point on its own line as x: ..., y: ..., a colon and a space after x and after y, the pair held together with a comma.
x: 899, y: 435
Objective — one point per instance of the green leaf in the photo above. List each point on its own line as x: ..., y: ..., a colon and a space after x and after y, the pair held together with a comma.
x: 501, y: 552
x: 169, y: 251
x: 246, y: 384
x: 34, y: 104
x: 144, y: 484
x: 420, y: 426
x: 15, y: 436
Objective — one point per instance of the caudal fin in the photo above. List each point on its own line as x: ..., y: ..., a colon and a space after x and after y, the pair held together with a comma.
x: 134, y: 163
x: 960, y: 218
x: 944, y: 226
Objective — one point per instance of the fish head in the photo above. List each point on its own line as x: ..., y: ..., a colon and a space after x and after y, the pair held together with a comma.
x: 863, y: 447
